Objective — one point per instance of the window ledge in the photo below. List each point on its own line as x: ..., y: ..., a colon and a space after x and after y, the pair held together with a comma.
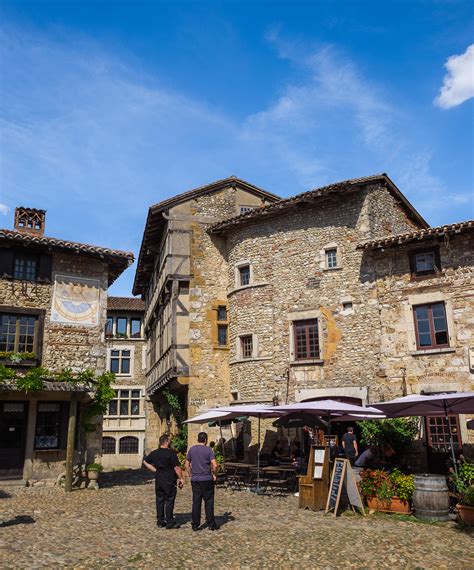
x: 217, y: 347
x: 253, y: 359
x: 243, y: 287
x: 332, y: 268
x: 428, y: 351
x: 309, y: 362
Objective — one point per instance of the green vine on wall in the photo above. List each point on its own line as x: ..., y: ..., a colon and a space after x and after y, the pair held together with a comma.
x: 33, y: 380
x: 179, y: 440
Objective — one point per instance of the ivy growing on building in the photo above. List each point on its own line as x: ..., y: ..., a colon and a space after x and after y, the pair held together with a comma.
x: 180, y: 439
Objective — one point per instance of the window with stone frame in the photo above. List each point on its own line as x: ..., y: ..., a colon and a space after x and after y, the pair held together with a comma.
x: 246, y: 346
x: 135, y: 327
x: 109, y: 445
x: 437, y: 431
x: 120, y: 361
x: 126, y: 402
x: 121, y: 327
x: 51, y: 425
x: 222, y: 323
x: 306, y: 340
x: 246, y: 209
x: 109, y: 327
x: 244, y: 275
x: 425, y: 262
x: 19, y: 332
x: 331, y: 258
x: 128, y: 445
x: 431, y: 326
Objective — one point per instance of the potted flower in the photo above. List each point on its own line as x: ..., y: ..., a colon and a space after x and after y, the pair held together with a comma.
x: 466, y: 506
x: 93, y: 471
x: 388, y: 492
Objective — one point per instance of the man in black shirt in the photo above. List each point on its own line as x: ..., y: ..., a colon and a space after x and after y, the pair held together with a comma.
x: 349, y: 443
x: 164, y: 463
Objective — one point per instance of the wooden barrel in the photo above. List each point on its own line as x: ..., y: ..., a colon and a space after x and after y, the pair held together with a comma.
x: 431, y: 499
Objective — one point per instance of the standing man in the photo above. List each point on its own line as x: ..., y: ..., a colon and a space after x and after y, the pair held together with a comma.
x: 201, y: 466
x: 349, y: 443
x: 164, y: 463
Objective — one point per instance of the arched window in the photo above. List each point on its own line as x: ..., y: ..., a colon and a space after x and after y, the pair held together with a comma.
x: 108, y: 445
x: 128, y: 445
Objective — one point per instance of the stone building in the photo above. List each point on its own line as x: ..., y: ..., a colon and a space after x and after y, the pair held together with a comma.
x: 182, y: 276
x: 124, y: 424
x: 301, y: 289
x: 53, y: 299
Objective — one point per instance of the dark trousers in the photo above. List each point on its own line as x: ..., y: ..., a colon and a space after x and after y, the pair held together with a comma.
x: 165, y: 492
x: 203, y: 490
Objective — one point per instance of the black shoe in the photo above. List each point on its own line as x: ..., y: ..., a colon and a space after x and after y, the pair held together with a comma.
x: 213, y: 527
x: 195, y: 527
x: 160, y: 524
x: 173, y: 524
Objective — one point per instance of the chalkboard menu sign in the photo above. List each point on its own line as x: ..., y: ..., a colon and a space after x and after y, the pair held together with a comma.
x: 343, y: 477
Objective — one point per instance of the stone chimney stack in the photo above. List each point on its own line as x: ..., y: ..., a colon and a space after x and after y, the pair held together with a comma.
x: 30, y: 220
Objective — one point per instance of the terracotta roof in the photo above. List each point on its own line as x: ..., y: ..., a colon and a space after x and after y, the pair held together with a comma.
x: 118, y: 260
x: 125, y: 304
x: 154, y: 222
x: 312, y: 195
x: 420, y: 235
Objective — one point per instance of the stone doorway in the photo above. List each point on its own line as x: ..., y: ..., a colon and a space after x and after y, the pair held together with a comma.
x: 13, y: 421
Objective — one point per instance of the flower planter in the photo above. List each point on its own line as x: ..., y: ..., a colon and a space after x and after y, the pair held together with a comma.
x: 466, y: 513
x: 396, y: 505
x: 93, y: 475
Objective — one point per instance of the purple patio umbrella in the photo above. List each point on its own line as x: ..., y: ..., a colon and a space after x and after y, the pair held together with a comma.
x: 431, y: 405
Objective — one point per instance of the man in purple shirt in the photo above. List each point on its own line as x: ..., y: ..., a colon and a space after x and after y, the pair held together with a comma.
x: 201, y: 466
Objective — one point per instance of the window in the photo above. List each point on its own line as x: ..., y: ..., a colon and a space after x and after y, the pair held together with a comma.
x: 109, y: 327
x: 431, y: 326
x: 347, y: 306
x: 125, y: 403
x: 246, y: 209
x: 108, y: 445
x: 222, y: 325
x: 331, y: 258
x: 306, y: 338
x: 244, y: 275
x: 18, y: 333
x: 128, y: 445
x: 51, y: 425
x: 438, y: 433
x: 135, y: 328
x: 425, y: 262
x: 121, y: 327
x: 120, y: 361
x: 246, y: 346
x: 25, y: 266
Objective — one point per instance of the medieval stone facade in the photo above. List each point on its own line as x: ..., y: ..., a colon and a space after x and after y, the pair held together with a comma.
x: 53, y: 300
x: 124, y: 425
x: 311, y: 304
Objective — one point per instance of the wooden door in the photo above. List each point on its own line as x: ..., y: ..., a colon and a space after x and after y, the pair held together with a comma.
x: 13, y: 420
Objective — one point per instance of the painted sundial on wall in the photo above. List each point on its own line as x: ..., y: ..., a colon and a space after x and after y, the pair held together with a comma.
x: 75, y: 301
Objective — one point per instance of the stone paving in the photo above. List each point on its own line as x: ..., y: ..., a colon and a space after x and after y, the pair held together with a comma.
x: 114, y: 527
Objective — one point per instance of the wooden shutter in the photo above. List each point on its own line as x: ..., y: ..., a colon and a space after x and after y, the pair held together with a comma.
x: 6, y: 262
x: 45, y: 266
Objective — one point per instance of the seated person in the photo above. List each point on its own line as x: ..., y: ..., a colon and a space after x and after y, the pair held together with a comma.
x: 366, y: 458
x: 298, y: 458
x: 277, y: 454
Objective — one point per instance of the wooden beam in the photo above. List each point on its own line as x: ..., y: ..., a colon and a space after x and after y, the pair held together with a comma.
x: 71, y: 429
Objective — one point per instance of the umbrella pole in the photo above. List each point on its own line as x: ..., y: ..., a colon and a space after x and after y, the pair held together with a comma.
x: 450, y: 433
x: 222, y: 444
x: 258, y: 458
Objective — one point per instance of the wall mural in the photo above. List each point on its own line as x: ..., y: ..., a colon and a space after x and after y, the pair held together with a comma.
x: 76, y: 301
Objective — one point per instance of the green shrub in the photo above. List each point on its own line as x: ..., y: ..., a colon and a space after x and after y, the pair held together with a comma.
x: 94, y: 467
x: 468, y: 498
x: 464, y: 477
x: 397, y: 432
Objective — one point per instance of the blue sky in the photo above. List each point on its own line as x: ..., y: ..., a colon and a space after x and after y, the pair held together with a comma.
x: 108, y: 107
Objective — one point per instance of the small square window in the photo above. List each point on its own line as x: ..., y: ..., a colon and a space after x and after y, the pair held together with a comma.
x: 246, y: 346
x: 246, y: 209
x: 425, y: 262
x: 347, y: 306
x: 331, y: 258
x: 244, y: 275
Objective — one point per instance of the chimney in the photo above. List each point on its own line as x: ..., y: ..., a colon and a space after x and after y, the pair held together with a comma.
x: 30, y: 220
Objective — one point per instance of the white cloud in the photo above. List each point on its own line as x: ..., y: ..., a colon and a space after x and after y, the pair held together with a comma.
x: 4, y: 209
x: 458, y: 83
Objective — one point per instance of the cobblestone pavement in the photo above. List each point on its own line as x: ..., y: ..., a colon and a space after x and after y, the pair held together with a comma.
x: 115, y: 528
